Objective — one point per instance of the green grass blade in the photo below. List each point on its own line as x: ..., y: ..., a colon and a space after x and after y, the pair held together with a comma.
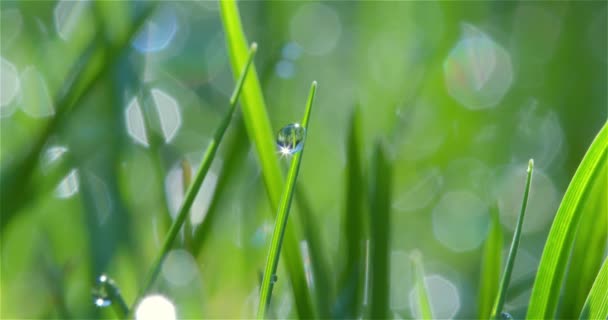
x: 282, y: 215
x: 423, y: 297
x: 262, y: 137
x: 380, y: 204
x: 108, y: 289
x: 506, y: 277
x: 596, y: 305
x: 16, y: 175
x: 198, y: 179
x: 490, y: 268
x: 546, y: 290
x: 350, y: 280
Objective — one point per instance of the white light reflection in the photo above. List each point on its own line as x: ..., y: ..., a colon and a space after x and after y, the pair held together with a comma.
x: 101, y: 198
x: 285, y: 69
x: 68, y: 186
x: 443, y: 298
x: 155, y: 307
x: 179, y: 267
x: 316, y: 38
x: 460, y: 221
x: 168, y: 113
x: 135, y: 123
x: 66, y: 14
x: 158, y: 32
x: 9, y: 87
x: 37, y: 102
x: 478, y: 71
x: 306, y: 260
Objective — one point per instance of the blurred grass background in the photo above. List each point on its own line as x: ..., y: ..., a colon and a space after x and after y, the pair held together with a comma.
x: 464, y: 93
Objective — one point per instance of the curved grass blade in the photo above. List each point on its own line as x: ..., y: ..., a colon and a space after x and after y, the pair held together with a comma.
x: 261, y: 135
x: 546, y: 290
x: 350, y: 290
x: 423, y: 297
x: 282, y: 215
x: 107, y: 289
x: 506, y: 277
x: 198, y: 179
x: 596, y: 305
x: 380, y: 204
x: 490, y: 268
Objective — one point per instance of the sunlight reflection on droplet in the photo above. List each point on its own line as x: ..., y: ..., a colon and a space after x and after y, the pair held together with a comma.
x: 317, y: 38
x: 478, y: 71
x: 12, y: 23
x: 135, y: 122
x: 535, y: 32
x: 542, y: 200
x: 158, y: 31
x: 306, y: 261
x: 155, y: 307
x: 419, y: 191
x: 460, y: 220
x: 400, y: 279
x: 9, y: 87
x: 443, y: 298
x: 179, y: 267
x: 168, y: 113
x: 67, y: 14
x: 37, y: 102
x: 68, y: 186
x: 52, y: 154
x: 285, y: 69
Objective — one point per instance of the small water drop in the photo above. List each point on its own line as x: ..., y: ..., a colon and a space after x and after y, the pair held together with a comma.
x: 274, y: 278
x: 101, y: 296
x: 290, y: 139
x: 505, y: 315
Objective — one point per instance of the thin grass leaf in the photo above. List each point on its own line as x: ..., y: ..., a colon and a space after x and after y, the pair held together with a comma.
x: 490, y: 268
x: 506, y: 277
x: 261, y: 135
x: 350, y: 281
x: 379, y: 217
x: 16, y: 176
x: 424, y: 306
x: 281, y: 221
x: 546, y: 290
x: 596, y: 305
x: 107, y: 290
x: 198, y: 179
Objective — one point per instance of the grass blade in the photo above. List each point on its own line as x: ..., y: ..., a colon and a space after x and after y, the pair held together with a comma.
x: 423, y: 297
x: 108, y: 290
x: 261, y: 135
x: 506, y: 277
x: 282, y: 215
x: 546, y: 290
x: 350, y: 279
x: 380, y: 204
x: 596, y: 305
x: 490, y: 268
x: 198, y: 179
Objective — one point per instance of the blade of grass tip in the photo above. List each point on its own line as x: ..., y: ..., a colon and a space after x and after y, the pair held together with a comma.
x: 350, y: 280
x: 553, y: 262
x: 490, y: 269
x: 506, y: 276
x: 596, y: 305
x: 424, y: 306
x: 380, y: 204
x: 15, y: 177
x: 282, y: 215
x: 109, y: 290
x: 262, y: 137
x: 198, y: 179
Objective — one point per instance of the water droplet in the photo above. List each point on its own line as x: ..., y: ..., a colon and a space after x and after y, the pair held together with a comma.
x: 274, y: 279
x: 290, y: 139
x: 505, y: 315
x: 101, y: 297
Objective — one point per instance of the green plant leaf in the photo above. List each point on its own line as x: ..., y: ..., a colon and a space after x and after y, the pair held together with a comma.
x: 596, y: 305
x: 547, y: 285
x: 379, y: 217
x: 261, y: 135
x: 198, y: 179
x: 506, y: 277
x: 282, y: 215
x: 350, y: 290
x: 423, y: 297
x: 490, y: 267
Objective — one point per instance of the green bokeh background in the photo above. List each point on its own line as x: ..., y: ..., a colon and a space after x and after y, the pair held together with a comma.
x: 391, y: 59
